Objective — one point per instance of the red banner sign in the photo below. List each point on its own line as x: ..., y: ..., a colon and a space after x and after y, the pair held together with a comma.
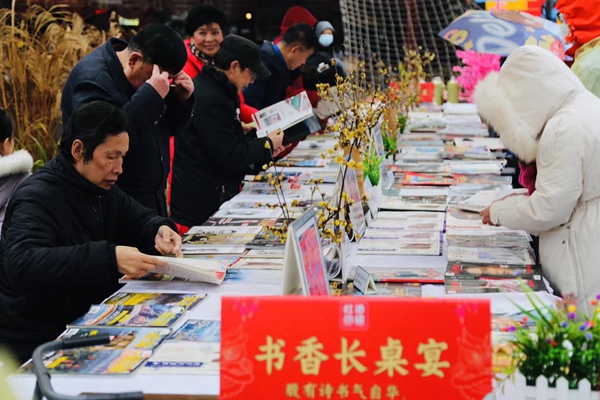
x: 355, y: 348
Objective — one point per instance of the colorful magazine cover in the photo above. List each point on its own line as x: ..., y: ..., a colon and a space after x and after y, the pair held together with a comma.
x: 473, y: 271
x: 415, y: 178
x: 140, y: 315
x: 127, y: 350
x: 188, y: 300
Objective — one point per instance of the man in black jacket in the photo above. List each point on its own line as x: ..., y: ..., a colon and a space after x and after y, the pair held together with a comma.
x: 143, y: 77
x: 70, y: 233
x: 212, y: 155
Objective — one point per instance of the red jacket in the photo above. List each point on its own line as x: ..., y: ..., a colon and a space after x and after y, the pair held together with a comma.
x: 583, y: 17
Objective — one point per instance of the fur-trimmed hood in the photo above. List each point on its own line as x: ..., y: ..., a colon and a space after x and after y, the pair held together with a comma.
x: 518, y: 102
x: 16, y: 163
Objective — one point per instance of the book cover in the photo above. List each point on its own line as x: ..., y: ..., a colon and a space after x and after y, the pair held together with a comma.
x: 195, y: 270
x: 188, y: 300
x: 140, y: 315
x: 283, y: 114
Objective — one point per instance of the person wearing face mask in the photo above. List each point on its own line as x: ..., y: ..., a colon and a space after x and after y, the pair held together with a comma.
x: 322, y: 67
x: 213, y: 154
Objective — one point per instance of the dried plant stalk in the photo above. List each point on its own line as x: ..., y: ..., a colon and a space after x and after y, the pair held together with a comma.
x: 38, y: 49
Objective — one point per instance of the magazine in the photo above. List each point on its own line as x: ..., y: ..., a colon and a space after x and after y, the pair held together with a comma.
x: 192, y: 349
x: 389, y: 290
x: 403, y: 275
x: 386, y: 246
x: 489, y: 285
x: 188, y: 300
x: 257, y: 263
x: 127, y: 350
x: 283, y: 114
x: 415, y: 178
x: 473, y: 271
x: 140, y: 315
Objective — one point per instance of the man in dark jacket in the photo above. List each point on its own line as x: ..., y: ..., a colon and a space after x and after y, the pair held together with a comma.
x: 143, y: 77
x: 212, y: 155
x: 70, y: 233
x: 283, y: 60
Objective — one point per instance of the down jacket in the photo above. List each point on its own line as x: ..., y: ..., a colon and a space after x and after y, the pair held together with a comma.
x: 57, y: 251
x: 543, y: 113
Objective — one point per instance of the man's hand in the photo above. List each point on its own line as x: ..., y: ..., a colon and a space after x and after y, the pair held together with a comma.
x: 133, y: 263
x: 280, y: 150
x: 183, y: 86
x: 167, y: 242
x: 159, y: 81
x: 486, y: 217
x: 276, y: 138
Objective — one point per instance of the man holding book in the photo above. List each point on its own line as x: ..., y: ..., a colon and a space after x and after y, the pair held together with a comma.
x: 213, y: 154
x: 70, y: 233
x: 283, y: 60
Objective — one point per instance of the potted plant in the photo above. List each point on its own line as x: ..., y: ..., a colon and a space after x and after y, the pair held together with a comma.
x: 564, y: 343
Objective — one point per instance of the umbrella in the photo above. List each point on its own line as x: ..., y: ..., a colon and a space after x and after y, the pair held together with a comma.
x: 501, y: 31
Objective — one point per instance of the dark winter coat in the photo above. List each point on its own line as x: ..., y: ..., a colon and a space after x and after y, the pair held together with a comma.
x: 151, y: 120
x: 212, y: 155
x: 57, y: 251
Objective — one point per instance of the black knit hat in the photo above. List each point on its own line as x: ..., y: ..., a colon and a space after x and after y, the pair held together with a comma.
x: 202, y: 15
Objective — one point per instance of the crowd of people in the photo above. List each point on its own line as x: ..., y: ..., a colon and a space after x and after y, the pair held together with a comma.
x: 158, y: 134
x: 132, y: 113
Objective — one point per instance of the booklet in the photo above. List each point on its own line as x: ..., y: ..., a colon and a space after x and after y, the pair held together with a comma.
x: 140, y: 315
x: 194, y: 269
x: 283, y: 115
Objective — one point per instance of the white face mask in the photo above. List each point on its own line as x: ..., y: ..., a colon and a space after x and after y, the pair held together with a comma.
x: 326, y: 39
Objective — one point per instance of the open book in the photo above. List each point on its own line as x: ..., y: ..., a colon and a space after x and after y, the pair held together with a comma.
x: 283, y: 115
x: 484, y: 198
x: 196, y: 270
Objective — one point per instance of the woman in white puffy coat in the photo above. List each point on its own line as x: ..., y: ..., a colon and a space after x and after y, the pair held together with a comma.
x: 543, y: 113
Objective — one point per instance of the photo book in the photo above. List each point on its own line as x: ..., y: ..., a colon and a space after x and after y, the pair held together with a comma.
x: 283, y: 115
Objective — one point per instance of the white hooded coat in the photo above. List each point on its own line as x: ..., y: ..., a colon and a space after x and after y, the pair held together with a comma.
x: 542, y: 112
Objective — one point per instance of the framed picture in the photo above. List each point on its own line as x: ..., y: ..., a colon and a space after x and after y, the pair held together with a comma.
x: 305, y: 269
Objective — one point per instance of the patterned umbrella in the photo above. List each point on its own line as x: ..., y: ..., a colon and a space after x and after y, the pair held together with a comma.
x: 501, y: 31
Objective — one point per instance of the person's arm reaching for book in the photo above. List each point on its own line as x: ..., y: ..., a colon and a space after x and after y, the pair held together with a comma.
x: 131, y: 262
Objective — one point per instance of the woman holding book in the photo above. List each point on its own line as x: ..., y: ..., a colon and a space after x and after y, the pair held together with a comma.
x: 213, y: 154
x: 544, y: 114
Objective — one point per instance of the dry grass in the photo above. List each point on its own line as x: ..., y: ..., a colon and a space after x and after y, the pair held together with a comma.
x: 38, y: 49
